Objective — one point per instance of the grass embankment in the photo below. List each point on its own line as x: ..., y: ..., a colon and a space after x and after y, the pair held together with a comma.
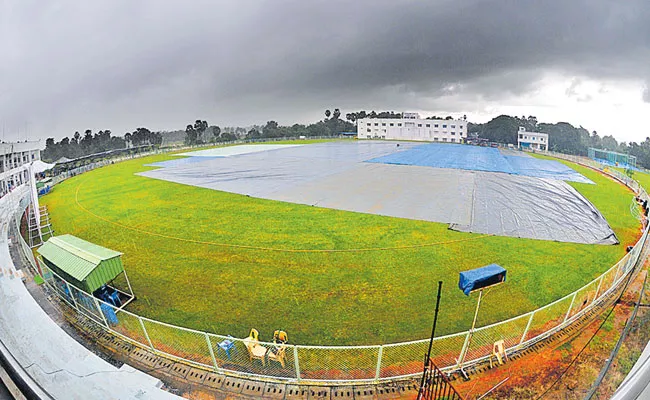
x: 326, y: 298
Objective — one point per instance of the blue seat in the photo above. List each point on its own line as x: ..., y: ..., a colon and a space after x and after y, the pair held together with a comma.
x: 109, y: 314
x: 115, y: 299
x: 227, y: 345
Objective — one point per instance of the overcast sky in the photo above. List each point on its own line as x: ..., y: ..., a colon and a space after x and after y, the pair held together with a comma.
x: 120, y: 64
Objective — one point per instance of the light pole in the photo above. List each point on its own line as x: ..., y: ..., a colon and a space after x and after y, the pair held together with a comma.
x: 474, y: 280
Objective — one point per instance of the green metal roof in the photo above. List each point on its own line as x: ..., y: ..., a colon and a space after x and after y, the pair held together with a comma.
x: 81, y: 259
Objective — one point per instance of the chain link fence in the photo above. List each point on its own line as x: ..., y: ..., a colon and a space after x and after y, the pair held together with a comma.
x: 339, y: 364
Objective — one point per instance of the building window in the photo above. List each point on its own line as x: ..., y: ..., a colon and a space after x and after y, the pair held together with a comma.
x: 435, y: 126
x: 419, y: 125
x: 453, y: 140
x: 435, y: 138
x: 392, y: 124
x: 444, y: 139
x: 383, y: 124
x: 399, y: 124
x: 521, y: 136
x: 376, y: 124
x: 428, y: 125
x: 369, y: 130
x: 453, y: 126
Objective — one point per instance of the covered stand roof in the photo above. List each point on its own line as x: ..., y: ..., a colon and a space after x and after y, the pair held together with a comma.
x: 88, y: 265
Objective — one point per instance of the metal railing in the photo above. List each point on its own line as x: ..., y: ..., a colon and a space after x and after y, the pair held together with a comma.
x: 342, y: 364
x: 436, y: 385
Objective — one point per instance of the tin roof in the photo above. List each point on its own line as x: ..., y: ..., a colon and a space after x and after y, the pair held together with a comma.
x: 75, y: 256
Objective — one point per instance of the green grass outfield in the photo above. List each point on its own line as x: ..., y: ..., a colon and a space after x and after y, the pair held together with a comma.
x: 325, y: 298
x: 642, y: 177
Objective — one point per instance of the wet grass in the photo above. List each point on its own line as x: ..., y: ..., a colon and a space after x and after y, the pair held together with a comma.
x: 327, y: 298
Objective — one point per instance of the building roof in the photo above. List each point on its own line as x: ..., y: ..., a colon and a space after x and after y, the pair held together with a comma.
x: 62, y: 160
x: 40, y: 166
x: 75, y: 256
x: 9, y: 148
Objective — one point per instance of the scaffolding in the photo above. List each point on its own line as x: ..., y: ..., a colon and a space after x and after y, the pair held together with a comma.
x: 39, y: 227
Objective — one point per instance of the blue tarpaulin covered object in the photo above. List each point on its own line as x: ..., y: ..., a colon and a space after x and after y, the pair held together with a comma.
x: 472, y: 158
x: 481, y: 277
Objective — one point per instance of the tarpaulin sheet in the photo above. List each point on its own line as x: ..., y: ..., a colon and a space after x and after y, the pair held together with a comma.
x: 468, y: 280
x: 529, y: 166
x: 229, y: 151
x: 474, y: 158
x: 333, y: 175
x: 455, y: 156
x: 179, y: 161
x: 420, y: 193
x: 534, y: 208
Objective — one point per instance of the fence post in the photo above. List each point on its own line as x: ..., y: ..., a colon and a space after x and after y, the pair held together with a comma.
x: 530, y: 320
x: 600, y: 282
x: 214, y: 359
x: 618, y: 270
x: 74, y: 301
x: 145, y: 333
x: 573, y: 299
x: 101, y: 313
x: 461, y: 357
x: 295, y: 362
x: 379, y: 355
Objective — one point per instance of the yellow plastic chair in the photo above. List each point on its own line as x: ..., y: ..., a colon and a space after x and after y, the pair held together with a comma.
x: 255, y: 350
x: 279, y: 338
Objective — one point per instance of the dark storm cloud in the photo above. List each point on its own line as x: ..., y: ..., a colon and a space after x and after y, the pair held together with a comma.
x: 120, y: 64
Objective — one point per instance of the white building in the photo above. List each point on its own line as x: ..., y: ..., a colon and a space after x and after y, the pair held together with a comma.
x: 412, y: 127
x: 532, y: 140
x: 15, y: 159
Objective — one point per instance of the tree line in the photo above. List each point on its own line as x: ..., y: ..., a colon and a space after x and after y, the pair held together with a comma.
x: 563, y: 137
x: 91, y: 143
x: 331, y: 125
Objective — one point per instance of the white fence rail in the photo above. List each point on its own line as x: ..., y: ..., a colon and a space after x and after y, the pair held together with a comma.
x: 345, y: 364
